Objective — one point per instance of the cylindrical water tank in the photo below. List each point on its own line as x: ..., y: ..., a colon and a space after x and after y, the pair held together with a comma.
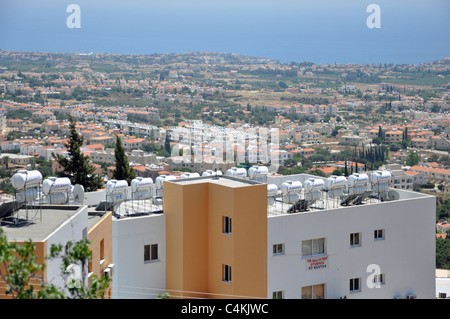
x: 379, y: 188
x: 380, y: 176
x: 256, y: 171
x: 270, y: 201
x: 26, y: 195
x: 58, y: 198
x: 291, y: 187
x: 335, y: 181
x: 56, y: 185
x: 115, y: 185
x: 237, y: 172
x: 313, y: 196
x: 231, y: 171
x: 139, y: 183
x: 26, y: 179
x: 210, y: 172
x: 293, y: 198
x: 143, y: 194
x: 314, y: 184
x: 272, y: 189
x: 336, y: 192
x: 161, y: 178
x: 356, y: 178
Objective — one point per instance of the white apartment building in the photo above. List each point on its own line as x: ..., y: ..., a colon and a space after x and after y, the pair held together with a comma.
x: 368, y: 250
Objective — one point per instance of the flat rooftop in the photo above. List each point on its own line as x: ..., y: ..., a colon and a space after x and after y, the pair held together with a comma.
x: 30, y: 225
x: 221, y: 179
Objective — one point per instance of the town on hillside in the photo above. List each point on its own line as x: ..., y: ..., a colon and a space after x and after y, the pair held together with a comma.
x: 155, y: 115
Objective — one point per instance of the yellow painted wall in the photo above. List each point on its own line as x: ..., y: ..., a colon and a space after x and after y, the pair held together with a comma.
x: 40, y: 251
x: 101, y: 231
x: 197, y: 249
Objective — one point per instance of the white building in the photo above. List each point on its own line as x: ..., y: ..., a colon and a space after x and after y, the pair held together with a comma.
x: 352, y: 243
x: 373, y: 249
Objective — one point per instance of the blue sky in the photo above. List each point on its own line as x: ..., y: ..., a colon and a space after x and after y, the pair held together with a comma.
x: 320, y: 30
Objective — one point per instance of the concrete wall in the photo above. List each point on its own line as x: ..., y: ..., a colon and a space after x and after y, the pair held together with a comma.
x: 406, y: 256
x: 71, y: 230
x: 132, y: 277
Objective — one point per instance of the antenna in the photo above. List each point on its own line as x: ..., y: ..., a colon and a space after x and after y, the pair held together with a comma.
x: 78, y: 194
x: 393, y: 195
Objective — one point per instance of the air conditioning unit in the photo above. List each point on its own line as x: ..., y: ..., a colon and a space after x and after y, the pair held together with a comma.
x: 109, y: 270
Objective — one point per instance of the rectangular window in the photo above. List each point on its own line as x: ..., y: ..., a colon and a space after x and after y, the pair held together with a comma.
x: 313, y: 247
x: 226, y: 225
x: 102, y: 250
x: 355, y: 239
x: 378, y: 234
x: 90, y: 264
x: 226, y: 274
x: 150, y: 252
x: 278, y: 295
x: 355, y: 284
x: 84, y: 234
x: 278, y: 249
x: 313, y: 292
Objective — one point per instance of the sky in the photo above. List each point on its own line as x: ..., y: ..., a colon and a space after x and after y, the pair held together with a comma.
x: 320, y: 31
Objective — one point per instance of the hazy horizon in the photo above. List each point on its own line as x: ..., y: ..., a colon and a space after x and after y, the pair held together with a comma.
x: 323, y: 32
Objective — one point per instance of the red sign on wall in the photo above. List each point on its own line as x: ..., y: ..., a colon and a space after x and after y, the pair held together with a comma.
x: 317, y: 263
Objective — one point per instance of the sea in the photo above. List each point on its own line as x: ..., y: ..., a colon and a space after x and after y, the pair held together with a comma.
x: 318, y: 31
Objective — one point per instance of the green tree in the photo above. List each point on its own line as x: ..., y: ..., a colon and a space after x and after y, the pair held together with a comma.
x: 433, y: 158
x: 79, y: 254
x: 123, y: 171
x: 23, y: 274
x: 443, y: 253
x: 412, y: 159
x: 19, y: 267
x: 167, y: 143
x: 77, y: 167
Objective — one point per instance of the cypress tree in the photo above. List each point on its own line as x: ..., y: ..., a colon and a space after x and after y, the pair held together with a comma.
x: 380, y: 132
x: 77, y: 167
x: 167, y: 143
x: 123, y: 171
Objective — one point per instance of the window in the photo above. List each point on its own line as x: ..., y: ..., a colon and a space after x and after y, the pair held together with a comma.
x: 355, y: 284
x: 150, y: 252
x: 313, y: 292
x: 378, y: 234
x: 102, y: 250
x: 226, y: 273
x: 84, y: 234
x: 278, y: 295
x: 226, y: 225
x: 278, y: 249
x: 313, y: 247
x: 355, y: 239
x: 378, y: 279
x: 90, y: 264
